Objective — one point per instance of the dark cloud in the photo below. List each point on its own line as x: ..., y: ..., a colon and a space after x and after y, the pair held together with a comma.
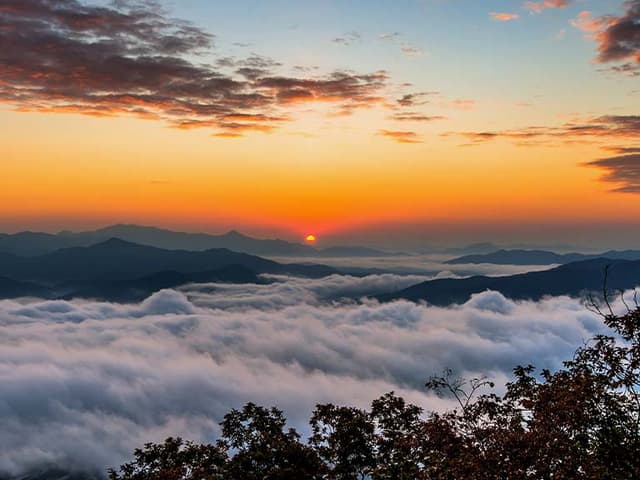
x: 349, y: 88
x: 623, y: 171
x: 83, y: 383
x: 620, y: 40
x: 130, y: 58
x: 414, y: 99
x: 618, y: 37
x: 401, y: 136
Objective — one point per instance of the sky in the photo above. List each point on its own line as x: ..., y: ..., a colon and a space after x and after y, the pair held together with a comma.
x: 398, y: 122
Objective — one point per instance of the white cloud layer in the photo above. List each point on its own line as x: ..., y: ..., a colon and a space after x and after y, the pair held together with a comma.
x: 83, y: 383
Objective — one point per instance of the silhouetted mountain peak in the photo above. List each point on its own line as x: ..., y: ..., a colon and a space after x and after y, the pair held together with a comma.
x: 125, y: 228
x: 115, y: 243
x: 235, y: 234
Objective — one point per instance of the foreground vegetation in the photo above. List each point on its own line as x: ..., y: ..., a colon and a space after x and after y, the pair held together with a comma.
x: 581, y: 422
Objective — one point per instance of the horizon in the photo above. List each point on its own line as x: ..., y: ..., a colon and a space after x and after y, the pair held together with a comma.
x: 412, y: 238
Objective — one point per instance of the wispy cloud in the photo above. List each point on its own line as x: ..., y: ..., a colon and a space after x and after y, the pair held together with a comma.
x: 389, y: 37
x: 415, y: 99
x: 401, y: 136
x: 461, y: 103
x: 407, y: 48
x: 411, y: 50
x: 538, y: 7
x: 416, y: 117
x: 503, y: 16
x: 603, y: 128
x: 348, y: 38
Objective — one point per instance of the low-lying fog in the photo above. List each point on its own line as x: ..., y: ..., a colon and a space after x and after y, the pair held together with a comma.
x: 83, y: 383
x: 432, y: 265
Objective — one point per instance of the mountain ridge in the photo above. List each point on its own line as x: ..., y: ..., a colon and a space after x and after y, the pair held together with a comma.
x: 539, y: 257
x: 118, y: 262
x: 573, y: 279
x: 28, y: 243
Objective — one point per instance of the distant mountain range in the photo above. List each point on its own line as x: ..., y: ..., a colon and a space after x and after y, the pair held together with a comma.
x: 140, y: 288
x: 540, y: 257
x: 119, y: 270
x: 572, y: 279
x: 36, y: 243
x: 10, y: 288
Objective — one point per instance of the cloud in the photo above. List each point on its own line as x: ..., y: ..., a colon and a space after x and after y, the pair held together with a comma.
x: 411, y: 50
x: 461, y: 104
x: 622, y: 170
x: 406, y: 48
x: 618, y: 37
x: 621, y: 150
x: 401, y: 136
x: 389, y: 37
x: 83, y: 383
x: 348, y: 38
x: 503, y: 16
x: 603, y: 128
x: 414, y: 99
x: 130, y: 58
x: 538, y: 7
x: 416, y: 117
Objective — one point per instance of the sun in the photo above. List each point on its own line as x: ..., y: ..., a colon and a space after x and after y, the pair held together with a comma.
x: 310, y: 238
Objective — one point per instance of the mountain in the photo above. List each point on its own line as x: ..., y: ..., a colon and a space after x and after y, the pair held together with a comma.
x: 118, y: 260
x: 346, y: 251
x: 540, y: 257
x: 36, y: 243
x: 169, y: 239
x: 10, y: 288
x: 571, y: 279
x: 474, y: 248
x: 140, y: 288
x: 33, y: 243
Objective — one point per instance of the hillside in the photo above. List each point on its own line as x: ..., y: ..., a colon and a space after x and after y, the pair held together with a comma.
x: 539, y: 257
x: 571, y: 279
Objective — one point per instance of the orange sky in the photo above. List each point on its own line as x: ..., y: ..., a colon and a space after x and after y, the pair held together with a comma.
x: 333, y: 157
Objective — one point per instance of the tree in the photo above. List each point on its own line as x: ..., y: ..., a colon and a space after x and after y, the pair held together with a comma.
x: 344, y: 439
x: 264, y: 450
x: 174, y: 460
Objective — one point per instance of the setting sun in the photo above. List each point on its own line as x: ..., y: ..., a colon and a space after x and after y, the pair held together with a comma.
x: 310, y: 238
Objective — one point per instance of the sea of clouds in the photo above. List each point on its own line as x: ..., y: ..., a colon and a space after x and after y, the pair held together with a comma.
x: 83, y: 383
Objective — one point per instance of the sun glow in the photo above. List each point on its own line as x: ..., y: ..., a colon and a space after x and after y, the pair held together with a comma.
x: 310, y: 238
